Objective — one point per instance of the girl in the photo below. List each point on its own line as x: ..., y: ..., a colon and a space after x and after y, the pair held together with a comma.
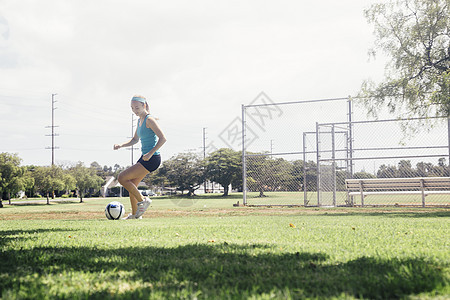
x: 152, y: 138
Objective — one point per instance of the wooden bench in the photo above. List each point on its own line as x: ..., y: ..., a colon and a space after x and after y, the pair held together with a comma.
x: 397, y: 186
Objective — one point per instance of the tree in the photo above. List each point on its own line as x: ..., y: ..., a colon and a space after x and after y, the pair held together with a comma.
x: 85, y: 179
x: 237, y: 182
x: 224, y: 166
x: 283, y: 178
x: 185, y: 172
x: 51, y: 179
x: 405, y: 169
x: 69, y: 181
x: 30, y: 188
x: 387, y: 171
x: 424, y: 169
x: 95, y: 165
x: 13, y: 177
x: 310, y: 182
x: 415, y: 34
x: 117, y: 170
x: 107, y: 170
x: 297, y: 174
x: 100, y: 171
x: 258, y: 174
x: 442, y: 169
x: 363, y: 175
x: 156, y: 179
x: 267, y: 174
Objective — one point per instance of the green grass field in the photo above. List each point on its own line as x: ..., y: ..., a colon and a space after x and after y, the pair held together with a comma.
x: 207, y: 249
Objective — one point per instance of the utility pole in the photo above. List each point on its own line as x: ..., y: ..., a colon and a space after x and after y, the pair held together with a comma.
x: 271, y: 148
x: 204, y: 153
x: 53, y: 130
x: 132, y: 135
x: 204, y: 142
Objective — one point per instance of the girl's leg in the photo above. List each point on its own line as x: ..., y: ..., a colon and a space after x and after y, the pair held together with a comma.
x: 133, y: 199
x: 129, y: 179
x: 133, y: 202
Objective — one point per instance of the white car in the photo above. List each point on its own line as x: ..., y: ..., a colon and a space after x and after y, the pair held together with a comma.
x: 148, y: 193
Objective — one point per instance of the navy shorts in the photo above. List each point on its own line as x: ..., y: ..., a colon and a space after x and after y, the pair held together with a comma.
x: 152, y: 164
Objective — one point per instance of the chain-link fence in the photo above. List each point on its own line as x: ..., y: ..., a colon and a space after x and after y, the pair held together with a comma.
x: 383, y: 149
x: 293, y: 157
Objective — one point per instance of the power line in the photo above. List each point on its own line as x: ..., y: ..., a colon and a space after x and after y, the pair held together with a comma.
x: 90, y: 149
x: 75, y: 103
x: 91, y: 135
x: 102, y: 108
x: 97, y: 108
x: 91, y: 116
x: 22, y: 149
x: 31, y: 97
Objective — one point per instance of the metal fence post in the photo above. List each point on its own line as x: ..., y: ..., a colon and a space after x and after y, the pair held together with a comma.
x: 422, y: 189
x: 305, y: 194
x: 347, y: 168
x: 350, y: 134
x: 333, y: 161
x: 318, y: 163
x: 244, y: 161
x: 448, y: 129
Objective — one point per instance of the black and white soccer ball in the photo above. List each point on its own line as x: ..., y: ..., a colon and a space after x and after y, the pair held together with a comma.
x: 114, y: 210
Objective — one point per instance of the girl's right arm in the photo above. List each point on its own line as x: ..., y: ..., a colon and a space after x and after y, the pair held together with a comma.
x: 131, y: 142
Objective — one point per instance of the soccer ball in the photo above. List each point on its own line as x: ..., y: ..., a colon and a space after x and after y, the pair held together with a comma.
x: 114, y: 210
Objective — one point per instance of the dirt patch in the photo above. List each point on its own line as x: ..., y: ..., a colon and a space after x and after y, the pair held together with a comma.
x: 80, y: 215
x: 241, y: 211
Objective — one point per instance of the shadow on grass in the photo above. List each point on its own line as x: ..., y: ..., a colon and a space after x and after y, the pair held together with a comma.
x: 213, y: 271
x: 15, y: 235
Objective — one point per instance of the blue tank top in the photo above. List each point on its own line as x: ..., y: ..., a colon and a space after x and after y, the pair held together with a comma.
x: 147, y: 136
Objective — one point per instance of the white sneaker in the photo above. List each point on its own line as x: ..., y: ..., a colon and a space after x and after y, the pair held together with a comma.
x: 131, y: 217
x: 142, y: 207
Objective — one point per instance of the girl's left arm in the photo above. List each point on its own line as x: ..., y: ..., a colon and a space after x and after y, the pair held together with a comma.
x: 151, y: 123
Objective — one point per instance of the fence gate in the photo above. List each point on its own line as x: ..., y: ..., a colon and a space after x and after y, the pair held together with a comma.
x: 333, y: 164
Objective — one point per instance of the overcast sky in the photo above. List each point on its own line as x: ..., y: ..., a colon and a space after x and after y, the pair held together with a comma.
x: 196, y: 62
